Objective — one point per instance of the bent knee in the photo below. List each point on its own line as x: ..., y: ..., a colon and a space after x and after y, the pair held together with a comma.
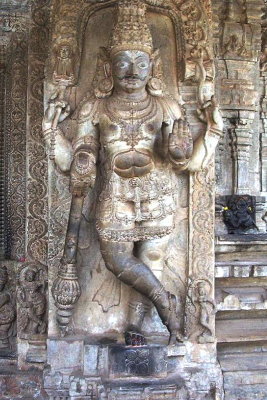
x: 152, y: 255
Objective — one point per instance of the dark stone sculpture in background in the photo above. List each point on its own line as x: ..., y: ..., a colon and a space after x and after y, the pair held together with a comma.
x: 7, y: 311
x: 239, y: 214
x: 32, y: 301
x: 138, y: 136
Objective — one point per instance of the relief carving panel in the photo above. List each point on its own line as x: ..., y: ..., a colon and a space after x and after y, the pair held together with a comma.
x: 7, y: 311
x: 130, y: 117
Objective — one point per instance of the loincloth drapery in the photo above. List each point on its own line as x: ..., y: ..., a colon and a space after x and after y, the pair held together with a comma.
x: 134, y: 209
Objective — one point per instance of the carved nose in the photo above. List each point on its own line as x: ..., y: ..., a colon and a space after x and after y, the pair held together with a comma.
x: 133, y: 69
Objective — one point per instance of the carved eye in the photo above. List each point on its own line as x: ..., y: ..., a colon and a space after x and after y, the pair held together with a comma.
x: 122, y: 64
x: 143, y: 65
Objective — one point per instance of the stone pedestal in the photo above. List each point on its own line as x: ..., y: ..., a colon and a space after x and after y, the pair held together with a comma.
x: 94, y: 371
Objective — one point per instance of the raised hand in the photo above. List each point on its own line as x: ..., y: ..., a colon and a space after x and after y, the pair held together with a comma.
x: 180, y: 141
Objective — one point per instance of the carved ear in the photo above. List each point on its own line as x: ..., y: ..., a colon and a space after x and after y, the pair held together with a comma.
x: 102, y: 82
x: 105, y: 59
x: 107, y: 69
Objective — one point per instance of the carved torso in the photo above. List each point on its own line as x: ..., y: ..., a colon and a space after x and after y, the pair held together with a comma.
x: 137, y: 200
x: 127, y: 134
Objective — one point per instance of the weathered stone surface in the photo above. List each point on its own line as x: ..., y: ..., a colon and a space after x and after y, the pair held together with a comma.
x: 203, y: 45
x: 63, y: 355
x: 18, y: 385
x: 143, y: 361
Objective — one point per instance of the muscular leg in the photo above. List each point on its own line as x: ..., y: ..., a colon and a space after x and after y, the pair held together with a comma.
x: 120, y: 260
x: 152, y: 253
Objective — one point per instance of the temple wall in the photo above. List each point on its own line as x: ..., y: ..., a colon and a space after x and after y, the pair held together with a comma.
x: 227, y: 197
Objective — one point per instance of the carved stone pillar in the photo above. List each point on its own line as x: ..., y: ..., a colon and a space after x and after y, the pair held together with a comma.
x: 264, y: 155
x: 201, y: 256
x: 241, y: 136
x: 34, y: 338
x: 260, y: 211
x: 3, y: 226
x: 264, y: 133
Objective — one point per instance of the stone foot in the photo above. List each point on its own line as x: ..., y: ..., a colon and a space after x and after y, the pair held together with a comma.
x: 206, y: 338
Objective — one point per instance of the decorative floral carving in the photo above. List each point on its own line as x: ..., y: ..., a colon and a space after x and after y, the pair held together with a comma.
x: 17, y: 147
x: 137, y: 361
x: 37, y: 174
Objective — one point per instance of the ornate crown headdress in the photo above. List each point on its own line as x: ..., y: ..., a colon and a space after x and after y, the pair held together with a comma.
x: 131, y: 31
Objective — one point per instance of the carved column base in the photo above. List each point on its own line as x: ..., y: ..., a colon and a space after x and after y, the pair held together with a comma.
x: 37, y: 349
x: 66, y: 292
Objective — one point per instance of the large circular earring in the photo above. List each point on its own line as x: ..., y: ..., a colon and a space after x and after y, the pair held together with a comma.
x: 104, y: 88
x: 155, y: 86
x: 106, y: 85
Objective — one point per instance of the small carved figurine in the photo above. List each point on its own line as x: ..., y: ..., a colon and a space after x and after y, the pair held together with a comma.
x: 234, y: 47
x: 7, y: 311
x: 32, y: 301
x: 64, y: 65
x: 207, y: 308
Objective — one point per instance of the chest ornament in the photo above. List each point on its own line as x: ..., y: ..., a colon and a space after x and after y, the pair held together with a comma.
x: 132, y: 117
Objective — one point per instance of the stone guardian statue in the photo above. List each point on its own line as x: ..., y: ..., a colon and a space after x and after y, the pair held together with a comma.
x: 137, y: 136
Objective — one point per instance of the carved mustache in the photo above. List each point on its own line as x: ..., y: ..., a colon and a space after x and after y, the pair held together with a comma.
x: 135, y: 76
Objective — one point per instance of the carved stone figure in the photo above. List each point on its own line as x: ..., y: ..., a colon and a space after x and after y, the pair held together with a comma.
x: 64, y: 65
x: 239, y: 214
x: 234, y: 47
x: 136, y: 136
x: 32, y: 300
x: 207, y: 307
x: 7, y: 310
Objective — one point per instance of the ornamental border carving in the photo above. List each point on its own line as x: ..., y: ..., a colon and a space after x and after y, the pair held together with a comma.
x: 17, y: 145
x: 37, y: 199
x: 201, y: 242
